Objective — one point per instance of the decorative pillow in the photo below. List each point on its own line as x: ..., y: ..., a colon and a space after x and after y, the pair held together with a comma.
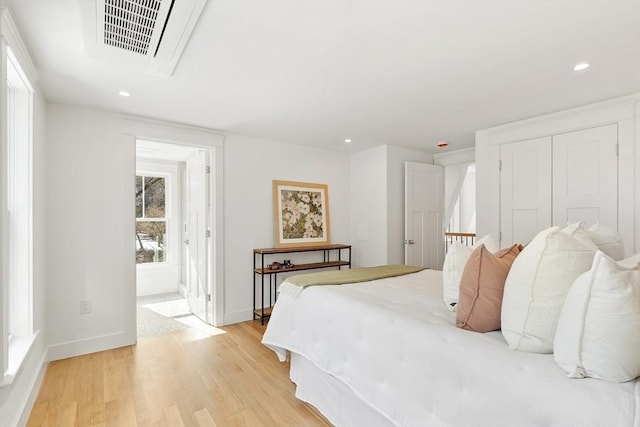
x: 536, y: 287
x: 598, y: 331
x: 454, y: 262
x: 632, y: 262
x: 578, y: 232
x: 607, y: 240
x: 481, y: 288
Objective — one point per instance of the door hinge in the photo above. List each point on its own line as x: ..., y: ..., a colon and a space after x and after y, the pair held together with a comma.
x: 500, y: 236
x: 499, y: 165
x: 208, y: 233
x: 207, y: 169
x: 617, y: 150
x: 208, y: 297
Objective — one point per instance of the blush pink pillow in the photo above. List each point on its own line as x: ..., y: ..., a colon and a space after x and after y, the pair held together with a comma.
x: 481, y: 288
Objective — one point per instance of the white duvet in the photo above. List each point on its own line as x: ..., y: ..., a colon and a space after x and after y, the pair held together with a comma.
x: 395, y: 345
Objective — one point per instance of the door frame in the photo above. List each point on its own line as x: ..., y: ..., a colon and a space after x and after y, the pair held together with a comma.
x: 155, y: 130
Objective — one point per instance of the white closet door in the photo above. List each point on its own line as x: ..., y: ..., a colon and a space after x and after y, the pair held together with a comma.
x: 525, y: 190
x: 585, y: 181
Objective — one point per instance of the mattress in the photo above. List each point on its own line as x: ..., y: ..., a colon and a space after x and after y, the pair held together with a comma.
x: 393, y: 344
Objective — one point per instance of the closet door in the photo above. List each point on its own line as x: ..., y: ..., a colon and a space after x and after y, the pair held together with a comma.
x: 525, y: 190
x: 585, y: 177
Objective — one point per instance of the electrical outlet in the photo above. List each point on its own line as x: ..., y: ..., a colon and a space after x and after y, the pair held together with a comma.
x: 85, y: 306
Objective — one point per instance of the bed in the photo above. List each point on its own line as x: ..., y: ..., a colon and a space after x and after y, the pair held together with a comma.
x: 387, y: 353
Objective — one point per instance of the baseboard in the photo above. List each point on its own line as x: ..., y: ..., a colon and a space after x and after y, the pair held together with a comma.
x: 89, y: 345
x: 238, y: 316
x: 27, y: 407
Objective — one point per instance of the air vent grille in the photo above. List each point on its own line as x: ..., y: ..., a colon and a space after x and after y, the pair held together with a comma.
x: 129, y: 24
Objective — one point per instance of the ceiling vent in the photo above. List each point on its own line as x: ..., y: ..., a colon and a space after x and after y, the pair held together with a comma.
x: 156, y: 29
x: 130, y: 24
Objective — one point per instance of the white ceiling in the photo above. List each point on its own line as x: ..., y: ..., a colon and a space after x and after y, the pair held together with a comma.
x: 403, y: 73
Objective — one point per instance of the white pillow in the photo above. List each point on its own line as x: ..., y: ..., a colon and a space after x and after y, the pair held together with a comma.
x: 578, y: 232
x: 608, y: 241
x: 632, y: 262
x: 598, y: 331
x: 454, y: 262
x: 536, y: 287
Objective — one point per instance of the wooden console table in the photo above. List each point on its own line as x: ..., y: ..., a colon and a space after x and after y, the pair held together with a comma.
x: 261, y: 269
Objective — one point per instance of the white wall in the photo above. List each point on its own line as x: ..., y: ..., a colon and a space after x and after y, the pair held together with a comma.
x: 250, y: 166
x: 369, y: 206
x: 90, y: 225
x: 377, y: 199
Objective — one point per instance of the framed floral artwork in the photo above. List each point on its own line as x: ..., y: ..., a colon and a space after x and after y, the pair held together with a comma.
x: 300, y: 214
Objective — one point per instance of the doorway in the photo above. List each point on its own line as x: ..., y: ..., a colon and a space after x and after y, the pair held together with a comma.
x: 174, y: 245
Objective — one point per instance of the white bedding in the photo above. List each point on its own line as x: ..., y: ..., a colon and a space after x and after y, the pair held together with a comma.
x: 393, y: 343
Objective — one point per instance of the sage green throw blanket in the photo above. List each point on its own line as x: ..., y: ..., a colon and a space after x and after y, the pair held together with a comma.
x: 354, y: 275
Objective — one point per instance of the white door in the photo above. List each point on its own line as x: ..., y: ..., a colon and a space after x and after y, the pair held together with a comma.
x: 424, y: 209
x: 585, y: 177
x: 197, y: 239
x: 525, y: 190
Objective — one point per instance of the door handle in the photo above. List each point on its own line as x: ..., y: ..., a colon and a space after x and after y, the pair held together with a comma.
x: 186, y: 242
x: 409, y: 242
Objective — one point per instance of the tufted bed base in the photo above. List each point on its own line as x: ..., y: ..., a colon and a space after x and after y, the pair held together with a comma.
x: 387, y: 352
x: 331, y: 397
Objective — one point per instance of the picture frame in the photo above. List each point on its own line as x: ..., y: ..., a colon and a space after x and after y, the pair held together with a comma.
x: 300, y: 214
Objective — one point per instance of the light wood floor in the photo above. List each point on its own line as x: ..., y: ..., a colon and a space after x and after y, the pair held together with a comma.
x: 184, y: 378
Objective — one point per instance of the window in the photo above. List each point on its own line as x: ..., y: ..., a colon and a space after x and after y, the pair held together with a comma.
x: 17, y: 217
x: 151, y: 219
x: 463, y: 215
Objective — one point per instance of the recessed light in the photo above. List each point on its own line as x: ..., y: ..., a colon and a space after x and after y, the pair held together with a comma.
x: 442, y: 144
x: 124, y: 93
x: 347, y: 141
x: 581, y: 66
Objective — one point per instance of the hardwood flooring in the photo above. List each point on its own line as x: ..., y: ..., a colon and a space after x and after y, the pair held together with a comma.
x: 183, y: 378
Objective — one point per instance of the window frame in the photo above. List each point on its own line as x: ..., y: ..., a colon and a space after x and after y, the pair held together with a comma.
x: 166, y: 219
x: 18, y: 333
